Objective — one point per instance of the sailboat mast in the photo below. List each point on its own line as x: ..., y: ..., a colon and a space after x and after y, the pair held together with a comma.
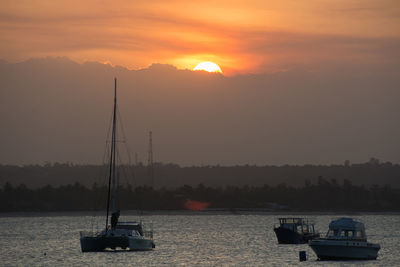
x: 111, y: 178
x: 114, y: 176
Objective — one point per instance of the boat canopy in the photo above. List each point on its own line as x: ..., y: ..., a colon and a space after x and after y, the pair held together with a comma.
x: 346, y: 228
x: 130, y: 226
x: 347, y: 224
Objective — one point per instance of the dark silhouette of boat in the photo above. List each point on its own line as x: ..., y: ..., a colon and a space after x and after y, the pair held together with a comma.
x: 119, y: 235
x: 295, y: 231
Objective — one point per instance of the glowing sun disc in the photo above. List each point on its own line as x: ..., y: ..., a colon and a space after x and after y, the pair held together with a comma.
x: 208, y: 66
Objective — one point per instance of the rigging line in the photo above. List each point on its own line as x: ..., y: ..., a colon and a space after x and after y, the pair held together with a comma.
x: 117, y: 176
x: 102, y: 176
x: 106, y: 151
x: 124, y: 140
x: 126, y: 147
x: 123, y: 169
x: 121, y: 172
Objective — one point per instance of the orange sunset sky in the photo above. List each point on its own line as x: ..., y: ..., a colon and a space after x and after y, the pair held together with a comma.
x: 241, y: 36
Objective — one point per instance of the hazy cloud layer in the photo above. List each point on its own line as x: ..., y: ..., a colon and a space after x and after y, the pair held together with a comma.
x: 58, y: 110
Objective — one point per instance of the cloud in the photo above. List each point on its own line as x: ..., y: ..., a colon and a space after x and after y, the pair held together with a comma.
x: 252, y: 38
x: 58, y: 110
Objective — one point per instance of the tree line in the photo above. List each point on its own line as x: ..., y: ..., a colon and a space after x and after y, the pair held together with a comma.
x: 172, y: 176
x: 322, y: 195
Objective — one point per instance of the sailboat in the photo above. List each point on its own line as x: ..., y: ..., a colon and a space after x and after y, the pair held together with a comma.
x: 116, y: 235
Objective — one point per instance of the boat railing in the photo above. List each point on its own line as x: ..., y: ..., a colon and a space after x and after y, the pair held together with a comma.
x: 148, y: 230
x: 304, y: 226
x: 345, y: 239
x: 148, y: 234
x: 88, y: 233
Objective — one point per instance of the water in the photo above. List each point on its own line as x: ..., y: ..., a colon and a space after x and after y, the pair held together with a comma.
x: 183, y: 240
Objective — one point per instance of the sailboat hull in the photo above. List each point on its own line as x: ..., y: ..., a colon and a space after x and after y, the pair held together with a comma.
x: 101, y: 243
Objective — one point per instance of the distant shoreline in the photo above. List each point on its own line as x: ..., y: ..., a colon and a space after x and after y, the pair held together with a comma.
x: 196, y: 213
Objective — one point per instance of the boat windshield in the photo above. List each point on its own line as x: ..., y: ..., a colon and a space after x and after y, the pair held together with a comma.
x: 350, y: 234
x: 135, y: 233
x: 359, y: 235
x: 346, y: 234
x: 302, y: 228
x: 332, y: 233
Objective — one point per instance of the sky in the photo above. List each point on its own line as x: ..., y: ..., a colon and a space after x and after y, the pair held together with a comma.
x: 242, y: 37
x: 304, y: 82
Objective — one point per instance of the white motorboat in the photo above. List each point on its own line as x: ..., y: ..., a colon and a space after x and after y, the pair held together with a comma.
x: 345, y: 240
x: 116, y: 235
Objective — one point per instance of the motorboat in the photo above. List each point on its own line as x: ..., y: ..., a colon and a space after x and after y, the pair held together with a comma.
x: 345, y: 240
x: 295, y: 231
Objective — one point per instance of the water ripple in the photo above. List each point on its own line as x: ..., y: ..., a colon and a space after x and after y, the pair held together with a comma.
x: 183, y: 240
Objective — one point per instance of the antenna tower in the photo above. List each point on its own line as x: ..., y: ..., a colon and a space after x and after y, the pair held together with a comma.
x: 150, y: 166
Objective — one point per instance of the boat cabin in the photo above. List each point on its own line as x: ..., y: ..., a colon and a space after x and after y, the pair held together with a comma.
x: 130, y: 226
x: 119, y: 233
x: 299, y: 225
x: 346, y: 228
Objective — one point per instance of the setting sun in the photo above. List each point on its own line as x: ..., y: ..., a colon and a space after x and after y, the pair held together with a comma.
x: 208, y: 66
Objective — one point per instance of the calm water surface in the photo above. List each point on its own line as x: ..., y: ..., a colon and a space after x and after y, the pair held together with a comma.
x: 183, y: 240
